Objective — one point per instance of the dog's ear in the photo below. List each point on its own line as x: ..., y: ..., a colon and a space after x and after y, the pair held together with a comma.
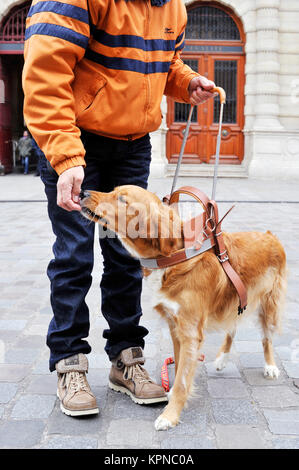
x: 162, y: 229
x: 167, y: 246
x: 169, y: 231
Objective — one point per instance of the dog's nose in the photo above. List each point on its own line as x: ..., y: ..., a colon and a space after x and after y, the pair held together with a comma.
x: 83, y: 194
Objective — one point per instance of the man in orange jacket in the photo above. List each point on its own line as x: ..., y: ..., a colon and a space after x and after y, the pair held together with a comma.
x: 94, y: 76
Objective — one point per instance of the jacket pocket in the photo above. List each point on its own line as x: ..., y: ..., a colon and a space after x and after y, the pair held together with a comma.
x: 86, y: 87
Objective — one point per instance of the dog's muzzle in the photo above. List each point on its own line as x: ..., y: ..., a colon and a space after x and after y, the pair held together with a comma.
x: 83, y: 195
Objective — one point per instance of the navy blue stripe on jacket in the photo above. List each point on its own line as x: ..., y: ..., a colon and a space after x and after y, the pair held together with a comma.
x: 57, y: 31
x: 180, y: 47
x: 179, y: 38
x: 137, y: 42
x: 132, y: 65
x: 60, y: 8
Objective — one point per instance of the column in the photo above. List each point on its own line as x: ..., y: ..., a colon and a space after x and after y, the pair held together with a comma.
x: 267, y: 65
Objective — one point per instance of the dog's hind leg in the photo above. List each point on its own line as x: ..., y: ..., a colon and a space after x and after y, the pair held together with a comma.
x: 182, y: 387
x: 223, y: 353
x: 270, y: 311
x: 270, y: 370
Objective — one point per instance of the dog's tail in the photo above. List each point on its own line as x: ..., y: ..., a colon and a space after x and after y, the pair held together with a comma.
x: 273, y: 302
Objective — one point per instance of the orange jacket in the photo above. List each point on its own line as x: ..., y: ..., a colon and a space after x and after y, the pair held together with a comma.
x: 103, y: 69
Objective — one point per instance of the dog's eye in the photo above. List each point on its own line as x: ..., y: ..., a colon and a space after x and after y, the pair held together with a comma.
x: 122, y: 199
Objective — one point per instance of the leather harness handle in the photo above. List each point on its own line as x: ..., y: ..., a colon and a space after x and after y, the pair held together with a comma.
x: 221, y: 93
x: 196, y: 193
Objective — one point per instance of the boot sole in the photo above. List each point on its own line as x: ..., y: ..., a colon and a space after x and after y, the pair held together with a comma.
x: 139, y: 401
x: 66, y: 411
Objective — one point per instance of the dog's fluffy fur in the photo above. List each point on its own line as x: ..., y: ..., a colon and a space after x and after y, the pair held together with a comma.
x: 196, y: 295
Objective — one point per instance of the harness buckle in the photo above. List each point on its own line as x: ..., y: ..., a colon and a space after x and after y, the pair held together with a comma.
x: 222, y: 260
x: 213, y: 228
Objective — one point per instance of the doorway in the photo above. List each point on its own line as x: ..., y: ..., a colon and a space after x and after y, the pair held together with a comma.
x: 12, y: 35
x: 214, y: 47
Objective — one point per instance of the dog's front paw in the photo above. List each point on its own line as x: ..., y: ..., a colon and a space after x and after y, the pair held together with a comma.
x: 162, y: 423
x: 271, y: 372
x: 221, y: 361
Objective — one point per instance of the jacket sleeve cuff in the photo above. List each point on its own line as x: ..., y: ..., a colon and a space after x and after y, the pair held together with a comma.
x: 69, y: 163
x: 185, y: 85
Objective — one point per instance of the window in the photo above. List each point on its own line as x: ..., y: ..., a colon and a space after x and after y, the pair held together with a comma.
x: 226, y: 77
x: 211, y: 24
x: 13, y: 29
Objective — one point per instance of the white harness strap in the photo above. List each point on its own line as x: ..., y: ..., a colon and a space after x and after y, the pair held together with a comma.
x: 153, y: 263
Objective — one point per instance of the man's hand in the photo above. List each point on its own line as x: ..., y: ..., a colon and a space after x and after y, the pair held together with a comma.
x: 68, y: 188
x: 199, y: 90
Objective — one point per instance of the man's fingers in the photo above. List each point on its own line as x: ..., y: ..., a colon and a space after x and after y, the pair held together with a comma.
x: 64, y: 198
x: 76, y: 189
x: 68, y: 188
x: 70, y: 206
x: 200, y: 96
x: 206, y: 84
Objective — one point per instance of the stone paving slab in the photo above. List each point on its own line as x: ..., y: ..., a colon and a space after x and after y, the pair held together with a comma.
x: 33, y: 407
x: 275, y: 397
x: 7, y: 391
x: 70, y: 443
x: 234, y: 412
x: 21, y: 434
x: 230, y: 371
x: 283, y: 422
x: 227, y: 388
x: 256, y: 377
x: 233, y: 408
x: 13, y: 372
x: 239, y: 437
x: 285, y: 443
x: 291, y: 368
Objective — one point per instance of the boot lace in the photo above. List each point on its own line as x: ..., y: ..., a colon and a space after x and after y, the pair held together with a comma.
x: 137, y: 374
x: 75, y: 381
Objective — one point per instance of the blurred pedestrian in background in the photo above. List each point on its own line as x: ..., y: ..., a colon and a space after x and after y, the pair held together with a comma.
x: 25, y: 148
x: 38, y: 155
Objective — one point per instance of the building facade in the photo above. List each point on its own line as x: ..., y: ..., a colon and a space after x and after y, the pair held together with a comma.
x: 249, y: 47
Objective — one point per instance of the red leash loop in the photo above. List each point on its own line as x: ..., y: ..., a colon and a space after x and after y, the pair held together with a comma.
x: 164, y: 371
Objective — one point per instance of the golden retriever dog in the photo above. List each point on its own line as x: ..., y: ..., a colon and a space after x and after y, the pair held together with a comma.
x: 196, y: 295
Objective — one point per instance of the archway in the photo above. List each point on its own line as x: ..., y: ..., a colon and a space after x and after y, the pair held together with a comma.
x: 214, y: 46
x: 12, y: 36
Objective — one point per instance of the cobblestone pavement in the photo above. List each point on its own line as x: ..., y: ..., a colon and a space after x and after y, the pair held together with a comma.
x: 237, y: 408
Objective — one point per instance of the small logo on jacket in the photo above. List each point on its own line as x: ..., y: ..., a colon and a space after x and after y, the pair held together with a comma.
x: 168, y: 31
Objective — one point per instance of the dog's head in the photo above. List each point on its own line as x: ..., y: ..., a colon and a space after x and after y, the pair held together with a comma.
x: 146, y: 226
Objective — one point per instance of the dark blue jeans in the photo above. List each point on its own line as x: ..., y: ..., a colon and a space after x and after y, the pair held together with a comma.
x: 25, y: 162
x: 109, y: 163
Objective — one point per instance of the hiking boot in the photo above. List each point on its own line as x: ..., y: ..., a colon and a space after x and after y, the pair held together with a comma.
x: 76, y: 398
x: 128, y: 376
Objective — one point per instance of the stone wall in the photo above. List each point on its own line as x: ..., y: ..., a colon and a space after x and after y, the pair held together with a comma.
x: 7, y: 5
